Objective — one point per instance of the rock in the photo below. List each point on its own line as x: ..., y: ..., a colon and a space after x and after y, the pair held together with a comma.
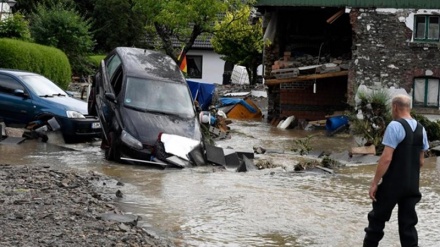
x: 119, y: 194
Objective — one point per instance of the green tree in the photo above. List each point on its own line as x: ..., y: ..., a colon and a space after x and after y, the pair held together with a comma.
x: 15, y: 27
x: 61, y: 26
x: 239, y: 41
x: 118, y: 23
x: 177, y: 23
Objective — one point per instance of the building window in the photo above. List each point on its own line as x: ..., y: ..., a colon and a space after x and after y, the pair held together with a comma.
x: 427, y: 28
x: 426, y: 92
x: 194, y: 66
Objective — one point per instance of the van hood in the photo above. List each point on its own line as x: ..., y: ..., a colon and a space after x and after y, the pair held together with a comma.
x: 68, y: 103
x: 146, y: 126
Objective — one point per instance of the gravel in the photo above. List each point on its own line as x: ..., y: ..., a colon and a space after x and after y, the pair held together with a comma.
x: 43, y: 206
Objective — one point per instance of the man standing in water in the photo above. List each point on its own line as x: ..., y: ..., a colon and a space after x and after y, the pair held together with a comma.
x: 399, y: 165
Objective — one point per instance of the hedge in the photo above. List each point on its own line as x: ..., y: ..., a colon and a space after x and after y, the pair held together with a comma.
x: 48, y: 61
x: 96, y: 59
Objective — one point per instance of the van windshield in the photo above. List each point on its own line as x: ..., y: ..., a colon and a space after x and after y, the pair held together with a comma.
x: 158, y: 96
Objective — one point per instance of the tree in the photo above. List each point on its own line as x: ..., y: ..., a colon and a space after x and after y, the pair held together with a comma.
x: 118, y: 23
x: 61, y: 26
x: 177, y: 23
x: 239, y: 41
x: 15, y: 27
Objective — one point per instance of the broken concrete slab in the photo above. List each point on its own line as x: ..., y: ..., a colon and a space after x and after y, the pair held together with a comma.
x: 14, y: 132
x: 179, y: 162
x: 246, y: 165
x: 231, y: 158
x: 247, y: 154
x: 12, y: 140
x: 128, y: 219
x: 197, y: 156
x: 345, y: 159
x: 215, y: 155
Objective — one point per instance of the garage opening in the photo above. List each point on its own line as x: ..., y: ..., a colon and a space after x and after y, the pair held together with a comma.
x: 312, y: 49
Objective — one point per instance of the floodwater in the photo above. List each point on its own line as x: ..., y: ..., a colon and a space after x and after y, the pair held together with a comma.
x: 208, y: 206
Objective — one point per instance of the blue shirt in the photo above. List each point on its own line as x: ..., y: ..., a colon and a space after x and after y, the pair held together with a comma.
x: 395, y: 133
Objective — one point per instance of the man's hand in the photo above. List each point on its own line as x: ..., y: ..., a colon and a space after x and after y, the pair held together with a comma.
x: 373, y: 190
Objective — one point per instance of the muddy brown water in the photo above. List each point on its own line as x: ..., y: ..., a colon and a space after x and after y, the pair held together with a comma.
x: 207, y: 206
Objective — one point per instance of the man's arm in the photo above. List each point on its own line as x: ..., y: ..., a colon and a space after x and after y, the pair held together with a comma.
x: 382, y: 167
x: 422, y: 158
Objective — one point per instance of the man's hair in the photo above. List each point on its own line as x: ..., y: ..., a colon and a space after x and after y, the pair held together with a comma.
x: 402, y: 101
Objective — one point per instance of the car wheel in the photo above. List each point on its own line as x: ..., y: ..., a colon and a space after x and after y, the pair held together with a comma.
x: 91, y: 102
x: 112, y: 151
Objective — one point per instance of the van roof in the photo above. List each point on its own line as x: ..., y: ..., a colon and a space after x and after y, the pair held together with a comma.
x: 146, y: 63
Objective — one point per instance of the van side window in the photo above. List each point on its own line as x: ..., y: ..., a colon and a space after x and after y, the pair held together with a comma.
x: 114, y: 63
x: 8, y: 85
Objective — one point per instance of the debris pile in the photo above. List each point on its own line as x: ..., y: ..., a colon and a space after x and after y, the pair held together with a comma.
x: 304, y: 64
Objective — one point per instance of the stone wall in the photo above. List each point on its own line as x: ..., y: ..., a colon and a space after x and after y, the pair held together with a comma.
x: 383, y: 54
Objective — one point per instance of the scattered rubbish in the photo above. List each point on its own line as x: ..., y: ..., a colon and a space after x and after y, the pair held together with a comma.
x: 240, y: 108
x: 202, y: 93
x: 325, y: 169
x: 336, y: 124
x: 363, y: 150
x: 286, y: 123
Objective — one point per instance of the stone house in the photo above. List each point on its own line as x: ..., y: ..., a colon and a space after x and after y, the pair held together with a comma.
x: 322, y: 51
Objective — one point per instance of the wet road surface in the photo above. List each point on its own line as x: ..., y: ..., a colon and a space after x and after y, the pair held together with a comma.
x: 208, y: 206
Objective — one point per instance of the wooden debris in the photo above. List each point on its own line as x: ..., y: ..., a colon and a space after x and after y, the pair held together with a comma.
x: 364, y: 150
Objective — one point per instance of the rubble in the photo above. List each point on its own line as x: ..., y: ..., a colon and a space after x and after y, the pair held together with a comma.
x: 43, y: 206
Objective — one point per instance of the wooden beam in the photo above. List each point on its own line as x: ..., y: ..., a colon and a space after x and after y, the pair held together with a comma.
x: 273, y: 82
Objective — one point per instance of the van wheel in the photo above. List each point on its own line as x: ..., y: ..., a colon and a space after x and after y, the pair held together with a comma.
x: 112, y: 151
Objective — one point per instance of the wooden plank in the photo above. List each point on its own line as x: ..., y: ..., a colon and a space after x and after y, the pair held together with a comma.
x: 273, y: 82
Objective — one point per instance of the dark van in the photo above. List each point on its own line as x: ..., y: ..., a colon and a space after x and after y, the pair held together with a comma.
x: 139, y: 94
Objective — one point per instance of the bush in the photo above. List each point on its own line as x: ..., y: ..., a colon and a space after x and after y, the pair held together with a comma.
x: 432, y: 127
x: 15, y: 27
x: 96, y: 59
x: 48, y: 61
x: 376, y: 115
x: 60, y: 25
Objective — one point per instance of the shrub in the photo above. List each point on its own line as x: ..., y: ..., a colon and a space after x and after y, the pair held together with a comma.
x: 48, y: 61
x: 15, y: 27
x: 96, y: 59
x: 432, y: 127
x: 61, y: 26
x: 376, y: 115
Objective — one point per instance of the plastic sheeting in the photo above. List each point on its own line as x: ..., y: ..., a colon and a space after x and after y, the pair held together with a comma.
x: 232, y: 101
x: 202, y: 92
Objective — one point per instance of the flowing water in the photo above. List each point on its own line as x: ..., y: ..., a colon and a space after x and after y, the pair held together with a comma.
x: 208, y: 206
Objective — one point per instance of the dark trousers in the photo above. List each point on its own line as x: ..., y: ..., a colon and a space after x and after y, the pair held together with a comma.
x: 381, y: 213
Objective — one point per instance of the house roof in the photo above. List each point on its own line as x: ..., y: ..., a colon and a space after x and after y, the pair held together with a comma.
x: 424, y: 4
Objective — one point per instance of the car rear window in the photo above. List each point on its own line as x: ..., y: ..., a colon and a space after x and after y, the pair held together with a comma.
x: 158, y: 96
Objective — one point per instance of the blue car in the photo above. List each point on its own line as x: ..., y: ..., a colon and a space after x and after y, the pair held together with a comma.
x: 26, y: 97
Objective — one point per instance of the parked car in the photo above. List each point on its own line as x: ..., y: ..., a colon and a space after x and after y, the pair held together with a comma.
x: 26, y: 97
x: 139, y: 94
